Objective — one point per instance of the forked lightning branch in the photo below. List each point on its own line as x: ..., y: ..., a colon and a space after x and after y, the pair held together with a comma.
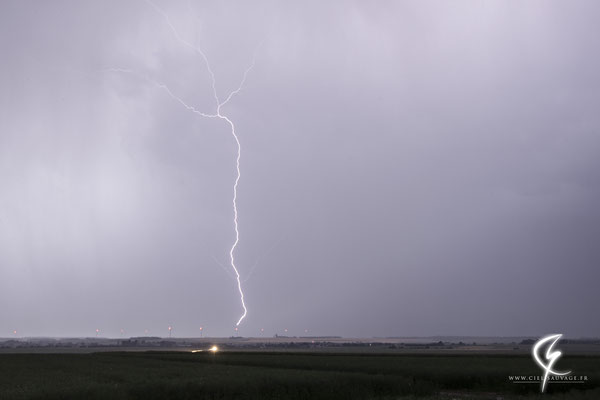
x: 216, y: 114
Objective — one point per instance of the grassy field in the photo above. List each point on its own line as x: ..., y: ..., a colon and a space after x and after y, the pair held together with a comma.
x: 240, y: 375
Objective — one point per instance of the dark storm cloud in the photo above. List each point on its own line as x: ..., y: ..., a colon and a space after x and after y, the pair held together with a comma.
x: 408, y: 168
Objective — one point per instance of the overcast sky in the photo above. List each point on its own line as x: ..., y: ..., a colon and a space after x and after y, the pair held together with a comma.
x: 408, y: 168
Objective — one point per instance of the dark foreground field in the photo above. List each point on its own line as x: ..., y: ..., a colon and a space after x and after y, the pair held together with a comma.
x: 231, y: 375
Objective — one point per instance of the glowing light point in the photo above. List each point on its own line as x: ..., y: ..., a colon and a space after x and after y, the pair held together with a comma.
x: 214, y: 349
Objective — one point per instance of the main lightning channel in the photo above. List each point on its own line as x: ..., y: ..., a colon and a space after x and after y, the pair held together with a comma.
x: 235, y: 214
x: 219, y: 115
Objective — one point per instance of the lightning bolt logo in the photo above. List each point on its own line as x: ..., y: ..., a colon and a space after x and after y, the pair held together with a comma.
x: 551, y: 356
x: 217, y: 114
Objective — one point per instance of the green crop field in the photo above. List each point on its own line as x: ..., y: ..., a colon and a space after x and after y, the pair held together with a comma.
x: 245, y: 375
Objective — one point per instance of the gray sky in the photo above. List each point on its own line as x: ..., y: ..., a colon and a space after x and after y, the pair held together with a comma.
x: 408, y: 168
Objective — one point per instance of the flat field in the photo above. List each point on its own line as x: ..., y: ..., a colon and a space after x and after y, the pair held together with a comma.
x: 283, y: 375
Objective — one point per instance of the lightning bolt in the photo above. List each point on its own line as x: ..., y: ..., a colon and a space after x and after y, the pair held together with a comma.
x: 218, y: 114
